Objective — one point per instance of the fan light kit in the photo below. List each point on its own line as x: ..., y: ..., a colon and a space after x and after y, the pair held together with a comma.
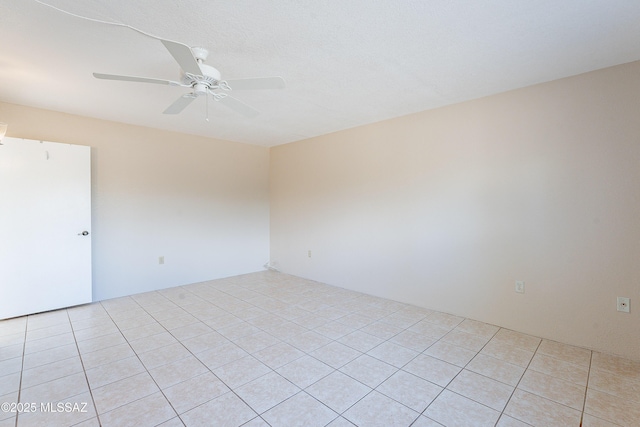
x: 203, y: 79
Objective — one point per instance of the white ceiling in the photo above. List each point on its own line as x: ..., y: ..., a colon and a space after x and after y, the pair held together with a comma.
x: 346, y: 62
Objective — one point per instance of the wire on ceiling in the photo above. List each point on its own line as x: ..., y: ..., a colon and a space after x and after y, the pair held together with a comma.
x: 100, y: 21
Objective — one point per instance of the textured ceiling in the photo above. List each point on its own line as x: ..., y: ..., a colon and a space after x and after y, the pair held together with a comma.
x: 346, y: 63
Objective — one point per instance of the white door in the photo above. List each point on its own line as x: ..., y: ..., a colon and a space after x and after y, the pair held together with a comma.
x: 45, y: 225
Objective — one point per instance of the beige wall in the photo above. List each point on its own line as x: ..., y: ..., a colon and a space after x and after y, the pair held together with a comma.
x: 447, y: 208
x: 200, y: 203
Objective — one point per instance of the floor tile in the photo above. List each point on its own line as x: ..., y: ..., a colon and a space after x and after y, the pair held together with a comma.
x: 360, y: 341
x: 256, y: 422
x: 173, y: 320
x: 11, y: 366
x: 377, y: 410
x: 163, y: 355
x: 356, y: 320
x: 338, y: 391
x: 105, y: 328
x: 538, y: 411
x: 560, y: 369
x: 221, y: 355
x: 193, y: 392
x: 101, y: 342
x: 49, y: 331
x: 305, y: 371
x: 52, y: 371
x: 591, y: 421
x: 114, y: 371
x: 9, y: 383
x: 507, y: 421
x: 190, y: 331
x: 300, y: 410
x: 466, y: 340
x: 618, y: 385
x: 256, y: 342
x: 368, y: 370
x: 119, y: 393
x: 517, y: 339
x: 106, y: 355
x: 382, y: 330
x: 410, y: 390
x: 496, y: 369
x: 310, y: 321
x: 450, y: 353
x: 177, y: 372
x: 611, y: 408
x: 134, y: 322
x: 429, y: 329
x: 552, y: 388
x: 444, y: 319
x: 56, y: 390
x: 341, y: 422
x: 616, y: 365
x: 568, y: 353
x: 11, y: 398
x: 204, y: 342
x: 143, y: 331
x: 481, y: 389
x: 432, y: 369
x: 33, y: 346
x: 152, y: 342
x: 82, y: 411
x: 241, y: 371
x: 454, y: 410
x: 413, y: 340
x: 151, y: 410
x: 423, y: 421
x: 266, y: 392
x: 220, y: 322
x: 477, y: 328
x: 238, y: 330
x: 335, y: 354
x: 278, y: 355
x: 393, y: 354
x: 11, y: 351
x: 308, y: 341
x: 260, y: 335
x: 503, y: 351
x: 287, y: 330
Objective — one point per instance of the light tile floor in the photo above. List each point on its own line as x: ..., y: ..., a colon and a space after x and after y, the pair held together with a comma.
x: 268, y: 349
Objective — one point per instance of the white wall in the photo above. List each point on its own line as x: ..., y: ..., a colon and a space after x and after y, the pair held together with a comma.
x: 200, y: 203
x: 447, y: 208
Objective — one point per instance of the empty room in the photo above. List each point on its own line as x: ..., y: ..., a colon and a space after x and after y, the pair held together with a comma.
x: 278, y: 213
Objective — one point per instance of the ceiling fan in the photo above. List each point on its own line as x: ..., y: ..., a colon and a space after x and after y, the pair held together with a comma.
x: 202, y: 79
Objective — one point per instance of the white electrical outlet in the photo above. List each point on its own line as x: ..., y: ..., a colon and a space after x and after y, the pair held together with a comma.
x: 309, y: 253
x: 623, y: 304
x: 161, y: 260
x: 520, y: 286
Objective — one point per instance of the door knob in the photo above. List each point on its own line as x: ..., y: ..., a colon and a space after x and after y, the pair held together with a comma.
x: 84, y: 233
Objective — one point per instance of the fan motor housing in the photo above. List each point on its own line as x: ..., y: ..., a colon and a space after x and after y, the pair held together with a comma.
x: 208, y: 80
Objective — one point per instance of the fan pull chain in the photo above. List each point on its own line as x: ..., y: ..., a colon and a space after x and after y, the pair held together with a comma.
x: 207, y: 108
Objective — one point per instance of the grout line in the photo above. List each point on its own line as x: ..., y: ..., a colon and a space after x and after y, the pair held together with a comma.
x: 586, y: 389
x: 24, y: 348
x: 520, y: 380
x: 84, y: 371
x: 461, y: 370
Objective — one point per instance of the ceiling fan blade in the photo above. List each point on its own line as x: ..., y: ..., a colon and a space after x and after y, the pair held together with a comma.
x: 183, y: 56
x: 239, y: 106
x: 135, y: 79
x: 257, y: 83
x: 180, y: 104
